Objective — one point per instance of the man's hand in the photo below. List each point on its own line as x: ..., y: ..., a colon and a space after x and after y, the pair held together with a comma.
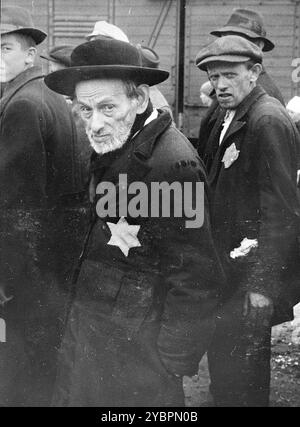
x: 258, y: 308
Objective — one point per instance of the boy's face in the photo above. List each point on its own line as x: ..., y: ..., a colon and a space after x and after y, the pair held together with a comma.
x: 14, y: 58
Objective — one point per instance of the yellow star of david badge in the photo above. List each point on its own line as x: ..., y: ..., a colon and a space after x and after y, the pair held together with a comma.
x: 124, y: 235
x: 230, y: 156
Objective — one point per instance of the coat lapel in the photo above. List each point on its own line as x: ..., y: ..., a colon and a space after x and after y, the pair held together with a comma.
x: 212, y: 145
x: 218, y: 118
x: 17, y: 84
x: 134, y: 160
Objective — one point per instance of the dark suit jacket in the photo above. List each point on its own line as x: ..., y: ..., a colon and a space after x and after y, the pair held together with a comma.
x: 257, y: 197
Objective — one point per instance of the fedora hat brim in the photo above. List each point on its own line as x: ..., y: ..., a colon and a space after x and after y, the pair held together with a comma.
x: 238, y: 30
x: 37, y: 35
x: 64, y: 81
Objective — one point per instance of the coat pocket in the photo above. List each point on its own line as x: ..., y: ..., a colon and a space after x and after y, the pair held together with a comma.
x: 133, y: 302
x: 98, y: 286
x: 121, y: 298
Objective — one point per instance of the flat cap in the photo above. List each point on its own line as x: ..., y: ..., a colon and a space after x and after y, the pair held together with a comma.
x: 228, y: 49
x: 60, y: 54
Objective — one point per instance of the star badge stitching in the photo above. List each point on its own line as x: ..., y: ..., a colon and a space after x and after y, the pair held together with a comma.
x: 123, y: 235
x: 230, y: 156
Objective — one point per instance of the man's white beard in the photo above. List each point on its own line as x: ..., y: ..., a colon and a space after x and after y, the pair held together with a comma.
x: 106, y: 147
x: 116, y: 142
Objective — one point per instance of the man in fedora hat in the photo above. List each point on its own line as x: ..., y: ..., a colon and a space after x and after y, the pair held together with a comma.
x: 250, y: 25
x: 148, y: 283
x: 37, y: 170
x: 149, y: 58
x: 252, y: 160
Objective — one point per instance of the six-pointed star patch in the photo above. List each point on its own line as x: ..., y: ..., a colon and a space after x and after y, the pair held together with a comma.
x: 230, y: 156
x: 124, y: 235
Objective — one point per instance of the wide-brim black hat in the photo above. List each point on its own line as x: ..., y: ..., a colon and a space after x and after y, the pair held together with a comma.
x: 247, y: 23
x: 104, y: 59
x: 18, y: 20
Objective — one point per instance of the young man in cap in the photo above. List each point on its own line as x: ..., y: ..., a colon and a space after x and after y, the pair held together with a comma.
x: 36, y: 170
x: 251, y: 155
x: 250, y: 25
x: 149, y: 58
x: 148, y: 283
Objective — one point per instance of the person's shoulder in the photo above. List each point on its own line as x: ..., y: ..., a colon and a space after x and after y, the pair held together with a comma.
x: 26, y: 91
x: 269, y: 85
x: 269, y: 120
x: 37, y: 91
x: 31, y: 93
x: 175, y: 144
x: 175, y: 155
x: 269, y: 109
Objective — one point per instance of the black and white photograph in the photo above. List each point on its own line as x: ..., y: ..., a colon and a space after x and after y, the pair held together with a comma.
x: 150, y: 206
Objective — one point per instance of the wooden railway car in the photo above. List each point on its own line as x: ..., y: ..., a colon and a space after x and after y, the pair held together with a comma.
x: 161, y: 24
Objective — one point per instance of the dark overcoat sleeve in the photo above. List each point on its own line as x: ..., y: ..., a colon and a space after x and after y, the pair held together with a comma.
x: 22, y: 155
x: 22, y: 190
x: 278, y: 227
x: 194, y: 279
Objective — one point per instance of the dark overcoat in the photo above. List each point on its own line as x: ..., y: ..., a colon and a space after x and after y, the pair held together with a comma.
x: 137, y: 321
x: 37, y: 171
x: 255, y: 197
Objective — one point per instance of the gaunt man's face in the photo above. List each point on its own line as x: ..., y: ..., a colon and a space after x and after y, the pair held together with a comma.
x: 14, y: 58
x: 232, y: 82
x: 108, y: 113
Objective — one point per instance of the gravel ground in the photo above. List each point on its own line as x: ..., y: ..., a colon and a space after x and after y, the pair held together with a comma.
x: 285, y: 385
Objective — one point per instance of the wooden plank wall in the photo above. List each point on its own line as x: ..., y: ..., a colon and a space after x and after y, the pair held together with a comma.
x: 138, y: 18
x: 72, y: 21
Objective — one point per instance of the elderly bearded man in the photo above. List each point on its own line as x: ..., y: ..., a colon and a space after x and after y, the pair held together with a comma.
x: 255, y: 214
x: 148, y: 286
